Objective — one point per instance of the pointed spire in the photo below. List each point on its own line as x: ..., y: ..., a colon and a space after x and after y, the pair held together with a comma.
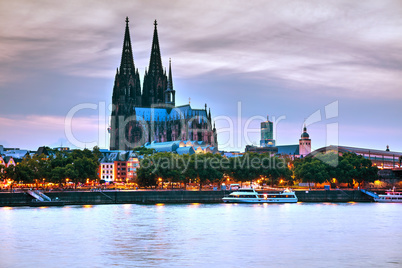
x: 127, y: 60
x: 170, y: 79
x: 155, y: 63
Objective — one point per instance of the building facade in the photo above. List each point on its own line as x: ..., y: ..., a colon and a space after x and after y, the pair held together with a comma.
x: 267, y: 134
x: 118, y: 166
x: 148, y: 115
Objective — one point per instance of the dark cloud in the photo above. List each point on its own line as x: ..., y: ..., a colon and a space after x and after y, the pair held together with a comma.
x: 276, y: 57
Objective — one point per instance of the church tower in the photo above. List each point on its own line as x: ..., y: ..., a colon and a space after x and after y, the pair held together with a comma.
x: 126, y: 95
x: 155, y: 79
x: 304, y: 143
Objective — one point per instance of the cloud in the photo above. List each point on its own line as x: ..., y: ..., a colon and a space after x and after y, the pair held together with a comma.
x: 33, y: 131
x: 282, y: 57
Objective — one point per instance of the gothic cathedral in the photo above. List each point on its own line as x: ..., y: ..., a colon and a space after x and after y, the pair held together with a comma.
x: 139, y: 117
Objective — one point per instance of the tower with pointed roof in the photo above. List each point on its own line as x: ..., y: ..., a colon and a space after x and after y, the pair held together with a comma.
x: 304, y: 143
x: 155, y: 79
x: 126, y: 95
x: 170, y: 93
x: 127, y: 87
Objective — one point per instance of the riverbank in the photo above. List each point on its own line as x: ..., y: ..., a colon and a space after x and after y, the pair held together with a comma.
x: 180, y: 196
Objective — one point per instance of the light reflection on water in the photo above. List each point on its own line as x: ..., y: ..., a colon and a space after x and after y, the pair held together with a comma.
x: 199, y: 235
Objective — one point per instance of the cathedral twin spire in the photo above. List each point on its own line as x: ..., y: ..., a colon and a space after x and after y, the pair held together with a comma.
x: 127, y: 87
x: 157, y: 88
x: 127, y: 60
x: 155, y: 63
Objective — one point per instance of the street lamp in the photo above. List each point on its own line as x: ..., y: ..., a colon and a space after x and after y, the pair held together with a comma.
x: 160, y: 181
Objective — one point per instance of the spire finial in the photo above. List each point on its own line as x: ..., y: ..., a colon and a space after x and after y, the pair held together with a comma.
x: 155, y: 23
x: 127, y: 20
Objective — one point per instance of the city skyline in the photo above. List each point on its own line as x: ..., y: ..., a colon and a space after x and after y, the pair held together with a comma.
x: 283, y: 59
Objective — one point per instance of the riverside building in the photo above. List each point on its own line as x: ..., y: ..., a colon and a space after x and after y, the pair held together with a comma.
x: 268, y: 144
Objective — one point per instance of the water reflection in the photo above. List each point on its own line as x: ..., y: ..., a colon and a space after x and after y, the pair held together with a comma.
x: 229, y: 235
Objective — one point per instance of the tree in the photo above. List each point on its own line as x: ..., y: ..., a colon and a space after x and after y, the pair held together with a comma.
x: 311, y: 170
x: 273, y: 168
x: 58, y: 174
x: 2, y: 172
x: 143, y: 150
x: 359, y: 169
x: 186, y: 167
x: 146, y: 176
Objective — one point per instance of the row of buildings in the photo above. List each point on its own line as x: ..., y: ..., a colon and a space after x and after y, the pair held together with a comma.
x: 268, y: 143
x: 118, y: 166
x: 388, y: 162
x: 115, y: 165
x: 122, y: 165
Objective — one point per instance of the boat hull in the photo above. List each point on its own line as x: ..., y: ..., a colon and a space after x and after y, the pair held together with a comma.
x: 259, y: 200
x: 387, y: 200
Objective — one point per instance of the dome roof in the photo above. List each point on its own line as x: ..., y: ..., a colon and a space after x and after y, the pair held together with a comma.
x: 305, y: 135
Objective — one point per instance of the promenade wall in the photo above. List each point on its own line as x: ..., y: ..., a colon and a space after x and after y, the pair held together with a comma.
x: 151, y: 197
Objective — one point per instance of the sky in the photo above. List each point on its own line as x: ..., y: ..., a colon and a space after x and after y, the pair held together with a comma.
x: 334, y: 65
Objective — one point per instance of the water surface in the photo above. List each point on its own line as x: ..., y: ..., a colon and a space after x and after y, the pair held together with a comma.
x: 203, y: 235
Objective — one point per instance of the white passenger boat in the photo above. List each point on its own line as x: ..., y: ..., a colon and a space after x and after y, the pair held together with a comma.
x: 389, y: 197
x: 249, y: 195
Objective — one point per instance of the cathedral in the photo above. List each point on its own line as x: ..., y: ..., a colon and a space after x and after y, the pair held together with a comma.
x: 151, y: 115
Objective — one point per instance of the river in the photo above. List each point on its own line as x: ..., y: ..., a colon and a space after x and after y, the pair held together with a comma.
x: 203, y: 235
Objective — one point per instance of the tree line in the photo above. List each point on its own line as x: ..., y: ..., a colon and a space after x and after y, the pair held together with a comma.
x: 332, y: 168
x: 80, y: 165
x: 270, y: 170
x: 77, y: 166
x: 210, y: 168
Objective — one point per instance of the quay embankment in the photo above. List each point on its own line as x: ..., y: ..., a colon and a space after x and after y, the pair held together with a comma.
x: 166, y: 196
